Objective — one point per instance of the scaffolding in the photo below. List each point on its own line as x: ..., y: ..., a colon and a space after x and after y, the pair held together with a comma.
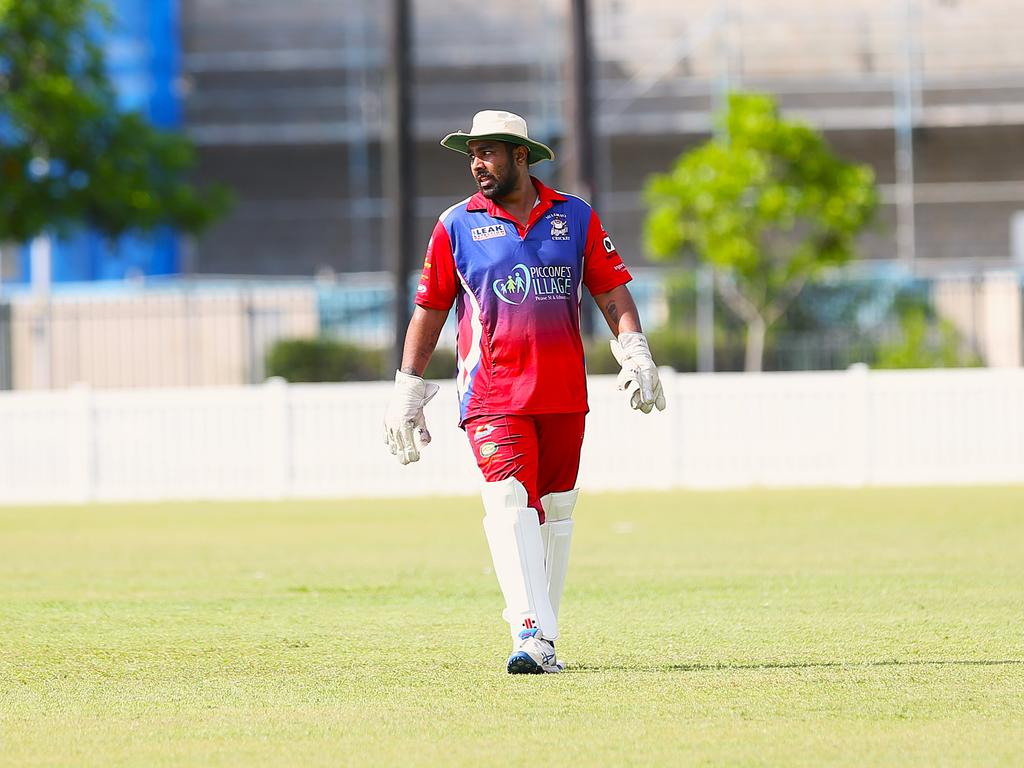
x: 311, y: 73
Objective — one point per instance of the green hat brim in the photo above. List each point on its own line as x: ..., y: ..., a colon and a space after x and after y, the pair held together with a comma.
x: 459, y: 141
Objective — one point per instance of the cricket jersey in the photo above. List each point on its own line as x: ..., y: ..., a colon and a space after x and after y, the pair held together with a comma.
x: 517, y: 292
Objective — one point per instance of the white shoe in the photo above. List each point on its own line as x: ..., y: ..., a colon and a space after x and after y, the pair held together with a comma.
x: 533, y: 655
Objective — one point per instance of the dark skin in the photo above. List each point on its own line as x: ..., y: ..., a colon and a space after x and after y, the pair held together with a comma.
x: 502, y: 174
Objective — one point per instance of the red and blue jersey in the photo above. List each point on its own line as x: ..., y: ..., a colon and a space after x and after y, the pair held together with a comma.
x: 517, y: 292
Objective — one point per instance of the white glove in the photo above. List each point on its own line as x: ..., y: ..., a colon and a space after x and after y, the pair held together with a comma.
x: 639, y: 376
x: 405, y: 428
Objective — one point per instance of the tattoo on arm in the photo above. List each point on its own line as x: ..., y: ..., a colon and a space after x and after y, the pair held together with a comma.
x: 619, y: 310
x: 434, y: 336
x: 612, y: 312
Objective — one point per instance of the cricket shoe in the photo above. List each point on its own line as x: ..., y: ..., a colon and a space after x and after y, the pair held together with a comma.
x: 533, y: 655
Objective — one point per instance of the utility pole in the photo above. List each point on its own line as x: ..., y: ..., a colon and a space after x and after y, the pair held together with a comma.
x: 577, y: 149
x: 578, y: 142
x: 399, y: 176
x: 907, y: 96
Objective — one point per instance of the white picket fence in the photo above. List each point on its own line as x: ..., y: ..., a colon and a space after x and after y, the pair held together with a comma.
x: 724, y: 430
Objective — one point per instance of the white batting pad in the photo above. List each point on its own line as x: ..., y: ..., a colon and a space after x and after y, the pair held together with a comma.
x: 517, y: 550
x: 557, y: 535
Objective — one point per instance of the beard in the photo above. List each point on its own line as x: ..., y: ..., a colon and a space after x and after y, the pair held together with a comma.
x: 502, y: 186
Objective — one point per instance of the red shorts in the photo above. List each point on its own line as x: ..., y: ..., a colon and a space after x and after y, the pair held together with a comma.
x: 542, y: 452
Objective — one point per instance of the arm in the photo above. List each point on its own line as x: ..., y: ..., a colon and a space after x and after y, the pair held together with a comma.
x: 619, y: 310
x: 421, y: 338
x: 639, y: 378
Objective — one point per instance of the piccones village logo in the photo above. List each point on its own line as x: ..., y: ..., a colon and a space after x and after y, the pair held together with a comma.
x: 514, y: 288
x: 554, y: 281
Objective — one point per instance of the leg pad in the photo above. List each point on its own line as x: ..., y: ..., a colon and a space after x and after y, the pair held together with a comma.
x: 517, y: 551
x: 557, y: 535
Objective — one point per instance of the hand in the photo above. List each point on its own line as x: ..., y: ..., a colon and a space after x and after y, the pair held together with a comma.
x: 405, y: 428
x: 639, y: 376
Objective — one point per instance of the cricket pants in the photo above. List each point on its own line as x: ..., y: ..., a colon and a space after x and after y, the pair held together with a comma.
x: 541, y: 451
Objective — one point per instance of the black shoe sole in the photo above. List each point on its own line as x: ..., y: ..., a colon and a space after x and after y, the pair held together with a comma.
x: 521, y: 664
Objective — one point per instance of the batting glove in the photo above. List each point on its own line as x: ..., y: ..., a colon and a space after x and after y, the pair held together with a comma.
x: 639, y: 375
x: 405, y: 428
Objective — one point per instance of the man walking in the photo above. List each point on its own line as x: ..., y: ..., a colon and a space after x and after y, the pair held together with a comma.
x: 513, y: 259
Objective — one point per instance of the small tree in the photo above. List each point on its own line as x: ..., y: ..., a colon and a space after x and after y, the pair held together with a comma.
x: 67, y: 155
x: 767, y: 204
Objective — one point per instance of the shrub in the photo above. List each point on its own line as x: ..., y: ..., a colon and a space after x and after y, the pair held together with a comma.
x: 441, y: 365
x: 673, y: 347
x: 323, y: 359
x: 925, y: 343
x: 307, y: 360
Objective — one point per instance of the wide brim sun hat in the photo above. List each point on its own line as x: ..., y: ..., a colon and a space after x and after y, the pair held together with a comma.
x: 500, y: 126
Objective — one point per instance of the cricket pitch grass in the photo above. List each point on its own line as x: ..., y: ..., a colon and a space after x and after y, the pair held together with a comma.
x: 791, y: 628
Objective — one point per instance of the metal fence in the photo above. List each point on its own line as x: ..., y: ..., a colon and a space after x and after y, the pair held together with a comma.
x: 219, y: 333
x: 6, y: 374
x: 149, y: 338
x: 197, y: 332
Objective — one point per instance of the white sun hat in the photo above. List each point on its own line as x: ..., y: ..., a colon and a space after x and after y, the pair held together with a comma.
x: 502, y: 126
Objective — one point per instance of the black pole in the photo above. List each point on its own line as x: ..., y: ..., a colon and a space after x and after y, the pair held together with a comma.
x: 399, y: 176
x: 578, y: 142
x: 579, y: 139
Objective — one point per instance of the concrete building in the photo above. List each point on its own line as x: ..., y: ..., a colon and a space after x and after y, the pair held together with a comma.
x: 287, y: 104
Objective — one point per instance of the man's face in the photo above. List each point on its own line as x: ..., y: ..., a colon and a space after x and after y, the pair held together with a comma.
x: 494, y: 168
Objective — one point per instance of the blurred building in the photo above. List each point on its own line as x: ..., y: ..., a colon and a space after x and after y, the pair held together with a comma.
x: 287, y: 103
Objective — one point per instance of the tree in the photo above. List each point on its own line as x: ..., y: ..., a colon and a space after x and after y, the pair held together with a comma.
x: 767, y: 204
x: 68, y: 156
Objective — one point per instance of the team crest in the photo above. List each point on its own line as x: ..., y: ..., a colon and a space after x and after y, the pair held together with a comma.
x: 515, y: 287
x: 559, y: 227
x: 488, y: 449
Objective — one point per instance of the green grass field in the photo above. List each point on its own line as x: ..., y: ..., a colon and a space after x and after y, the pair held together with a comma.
x: 878, y: 627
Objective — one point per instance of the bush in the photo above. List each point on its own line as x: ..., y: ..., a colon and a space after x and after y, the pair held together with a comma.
x: 310, y: 360
x: 925, y: 343
x: 441, y: 365
x: 599, y: 356
x: 306, y: 360
x: 676, y: 348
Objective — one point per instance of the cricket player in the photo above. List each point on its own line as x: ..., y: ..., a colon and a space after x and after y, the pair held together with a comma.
x: 513, y: 259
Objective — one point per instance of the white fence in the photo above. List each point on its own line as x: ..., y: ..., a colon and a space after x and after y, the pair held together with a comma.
x: 723, y: 430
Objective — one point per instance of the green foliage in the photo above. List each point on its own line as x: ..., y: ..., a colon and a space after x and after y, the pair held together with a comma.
x: 441, y: 366
x: 766, y: 203
x: 883, y: 320
x: 599, y: 356
x: 767, y: 200
x: 307, y: 360
x: 324, y: 359
x: 924, y: 343
x: 674, y: 349
x: 67, y: 155
x: 672, y: 346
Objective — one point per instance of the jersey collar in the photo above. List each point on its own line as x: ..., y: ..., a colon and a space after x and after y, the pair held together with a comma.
x: 546, y: 197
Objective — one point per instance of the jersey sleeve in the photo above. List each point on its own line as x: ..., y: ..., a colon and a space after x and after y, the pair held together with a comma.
x: 438, y: 286
x: 603, y: 268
